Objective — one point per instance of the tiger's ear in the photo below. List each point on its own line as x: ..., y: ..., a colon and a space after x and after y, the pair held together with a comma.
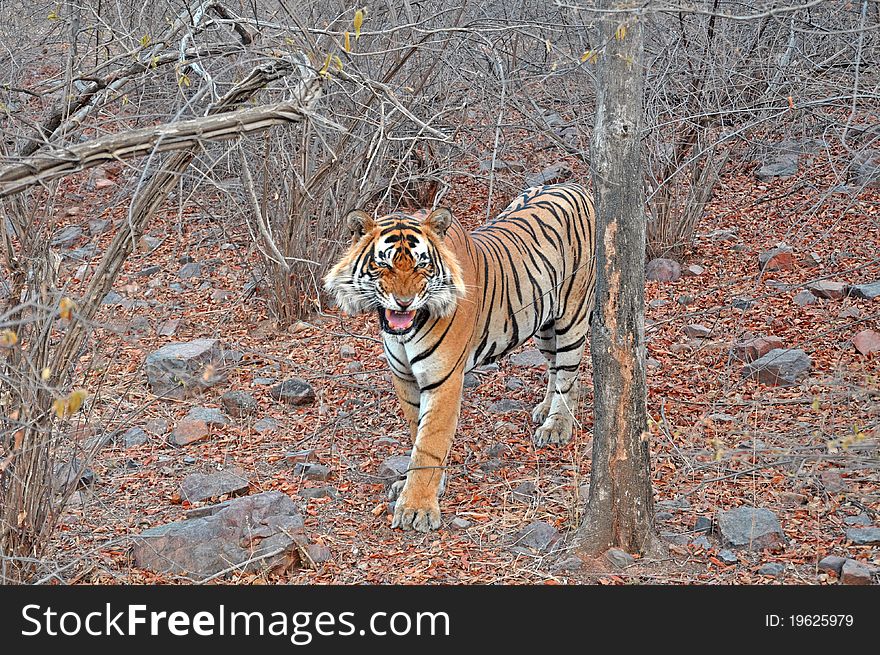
x: 439, y: 221
x: 359, y: 223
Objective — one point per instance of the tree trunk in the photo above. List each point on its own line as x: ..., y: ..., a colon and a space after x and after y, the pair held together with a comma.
x: 620, y: 510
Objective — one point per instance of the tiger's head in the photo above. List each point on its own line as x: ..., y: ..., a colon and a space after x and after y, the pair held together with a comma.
x: 399, y: 266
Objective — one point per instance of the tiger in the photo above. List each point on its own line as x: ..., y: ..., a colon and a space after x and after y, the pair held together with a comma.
x: 449, y: 300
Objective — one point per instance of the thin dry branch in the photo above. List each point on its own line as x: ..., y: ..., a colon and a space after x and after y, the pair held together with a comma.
x: 52, y: 165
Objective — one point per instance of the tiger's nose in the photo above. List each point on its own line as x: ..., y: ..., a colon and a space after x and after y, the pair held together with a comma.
x: 403, y: 301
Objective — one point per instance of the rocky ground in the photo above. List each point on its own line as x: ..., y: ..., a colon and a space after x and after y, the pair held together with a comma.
x: 763, y: 398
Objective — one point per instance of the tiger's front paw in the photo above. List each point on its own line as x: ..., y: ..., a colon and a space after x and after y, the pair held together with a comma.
x: 555, y: 430
x: 540, y: 412
x: 422, y: 516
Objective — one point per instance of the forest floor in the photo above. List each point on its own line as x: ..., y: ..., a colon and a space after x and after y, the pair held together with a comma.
x: 808, y: 453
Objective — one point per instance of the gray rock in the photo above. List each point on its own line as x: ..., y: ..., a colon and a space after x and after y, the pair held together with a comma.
x: 742, y: 303
x: 84, y: 254
x: 693, y: 270
x: 657, y: 303
x: 459, y: 523
x: 701, y: 542
x: 528, y: 358
x: 778, y: 165
x: 238, y: 403
x: 148, y: 244
x: 168, y: 328
x: 866, y: 291
x: 675, y: 538
x: 232, y: 356
x: 663, y: 270
x: 864, y: 536
x: 311, y: 470
x: 703, y: 524
x: 505, y: 406
x: 156, y: 427
x: 318, y: 553
x: 471, y: 381
x: 148, y: 271
x: 723, y: 235
x: 210, y: 415
x: 197, y: 487
x: 493, y: 464
x: 66, y: 236
x: 684, y: 300
x: 512, y: 384
x: 98, y: 226
x: 266, y: 424
x: 490, y: 368
x: 855, y: 573
x: 750, y: 527
x: 140, y: 324
x: 860, y: 520
x: 619, y: 558
x: 347, y: 352
x: 72, y: 475
x: 113, y: 298
x: 189, y: 271
x: 318, y: 492
x: 243, y: 533
x: 568, y: 565
x: 294, y: 391
x: 524, y: 492
x: 558, y: 172
x: 728, y: 556
x: 828, y: 289
x: 264, y: 382
x: 804, y: 298
x: 134, y: 436
x: 537, y: 535
x: 663, y: 516
x: 178, y: 369
x: 697, y: 331
x: 832, y: 481
x: 832, y: 564
x: 865, y: 169
x: 773, y: 569
x: 394, y: 468
x: 780, y: 367
x: 811, y: 260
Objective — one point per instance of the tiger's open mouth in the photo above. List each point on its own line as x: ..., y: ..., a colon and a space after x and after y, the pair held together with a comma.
x: 396, y: 322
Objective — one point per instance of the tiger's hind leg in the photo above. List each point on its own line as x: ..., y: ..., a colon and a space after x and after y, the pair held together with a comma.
x: 545, y: 339
x: 563, y: 386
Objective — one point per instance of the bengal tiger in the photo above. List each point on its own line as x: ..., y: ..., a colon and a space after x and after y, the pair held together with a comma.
x: 448, y: 301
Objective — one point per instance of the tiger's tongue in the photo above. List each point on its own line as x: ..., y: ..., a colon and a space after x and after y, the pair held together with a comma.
x: 399, y: 320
